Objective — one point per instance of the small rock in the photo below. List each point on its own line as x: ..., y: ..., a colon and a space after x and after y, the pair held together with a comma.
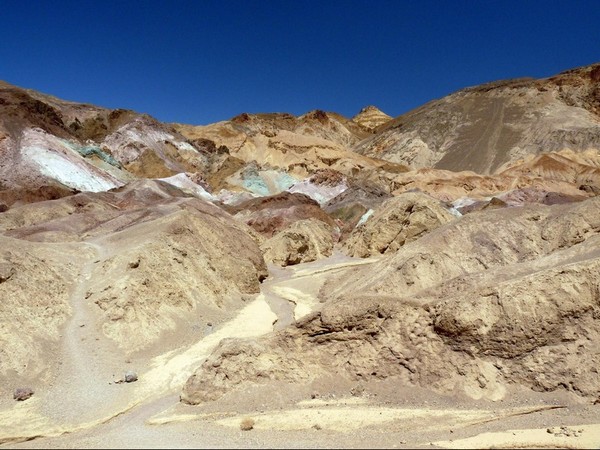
x: 6, y: 271
x: 22, y: 394
x: 247, y: 424
x: 316, y: 426
x: 130, y: 376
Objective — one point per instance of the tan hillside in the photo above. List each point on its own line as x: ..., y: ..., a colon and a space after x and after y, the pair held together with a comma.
x: 308, y: 281
x: 484, y: 127
x: 396, y: 222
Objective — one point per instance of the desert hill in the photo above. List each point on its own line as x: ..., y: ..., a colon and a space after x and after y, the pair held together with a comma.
x: 483, y: 127
x: 314, y: 280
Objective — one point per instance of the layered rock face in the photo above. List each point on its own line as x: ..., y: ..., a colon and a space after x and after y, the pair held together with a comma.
x: 371, y: 117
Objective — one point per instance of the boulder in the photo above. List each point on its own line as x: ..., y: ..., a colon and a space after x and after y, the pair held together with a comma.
x: 396, y: 222
x: 22, y: 394
x: 303, y: 241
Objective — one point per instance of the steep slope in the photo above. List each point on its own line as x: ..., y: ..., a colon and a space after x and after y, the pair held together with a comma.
x: 52, y: 147
x: 154, y: 261
x: 484, y: 127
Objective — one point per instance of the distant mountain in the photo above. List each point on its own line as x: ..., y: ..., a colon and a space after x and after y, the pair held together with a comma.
x: 50, y: 148
x: 484, y: 127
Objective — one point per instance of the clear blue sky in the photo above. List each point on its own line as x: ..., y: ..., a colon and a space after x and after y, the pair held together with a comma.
x: 203, y: 61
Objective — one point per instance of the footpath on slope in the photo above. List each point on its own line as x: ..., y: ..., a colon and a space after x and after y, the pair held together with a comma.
x: 84, y: 393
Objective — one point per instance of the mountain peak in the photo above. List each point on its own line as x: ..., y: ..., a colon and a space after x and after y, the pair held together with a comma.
x: 371, y: 117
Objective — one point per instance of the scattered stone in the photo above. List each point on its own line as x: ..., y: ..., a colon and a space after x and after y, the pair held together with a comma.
x: 6, y: 271
x: 564, y: 432
x: 130, y: 376
x: 357, y: 391
x: 247, y: 424
x: 21, y: 394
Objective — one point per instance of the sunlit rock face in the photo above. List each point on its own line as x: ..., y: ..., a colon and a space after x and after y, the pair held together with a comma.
x: 484, y: 127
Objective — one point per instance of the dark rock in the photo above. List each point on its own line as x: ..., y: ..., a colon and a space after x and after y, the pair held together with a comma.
x: 589, y: 189
x: 21, y: 394
x: 6, y: 271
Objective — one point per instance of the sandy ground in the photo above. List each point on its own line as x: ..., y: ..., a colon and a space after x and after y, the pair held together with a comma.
x: 324, y: 414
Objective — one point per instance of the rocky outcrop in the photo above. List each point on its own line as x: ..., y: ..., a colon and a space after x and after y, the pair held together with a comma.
x: 371, y: 117
x: 303, y: 241
x: 54, y: 145
x: 269, y: 215
x: 396, y: 222
x: 299, y: 146
x: 492, y: 299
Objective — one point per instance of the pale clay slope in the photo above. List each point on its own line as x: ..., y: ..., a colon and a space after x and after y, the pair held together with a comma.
x: 141, y: 283
x: 166, y: 372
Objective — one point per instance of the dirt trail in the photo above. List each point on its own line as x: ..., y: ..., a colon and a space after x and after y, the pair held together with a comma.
x: 88, y: 362
x: 84, y: 395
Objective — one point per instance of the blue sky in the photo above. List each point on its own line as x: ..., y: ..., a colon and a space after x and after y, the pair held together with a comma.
x: 203, y: 61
